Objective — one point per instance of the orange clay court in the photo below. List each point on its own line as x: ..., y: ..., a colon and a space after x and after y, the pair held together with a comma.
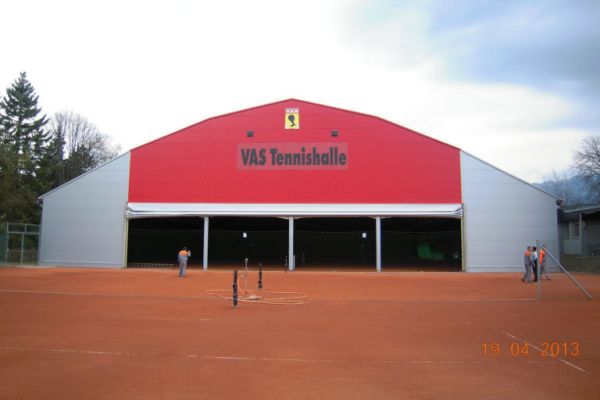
x: 146, y: 334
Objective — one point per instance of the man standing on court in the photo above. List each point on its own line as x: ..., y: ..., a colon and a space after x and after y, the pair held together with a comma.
x: 534, y: 263
x: 542, y: 263
x: 183, y: 256
x: 528, y: 265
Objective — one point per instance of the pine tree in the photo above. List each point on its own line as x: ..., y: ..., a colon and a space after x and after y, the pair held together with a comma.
x: 24, y: 144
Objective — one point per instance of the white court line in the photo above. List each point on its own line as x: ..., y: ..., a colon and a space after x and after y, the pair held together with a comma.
x: 234, y: 358
x: 294, y: 360
x: 429, y: 300
x: 61, y: 350
x: 574, y: 366
x: 430, y: 362
x: 101, y: 294
x: 112, y: 353
x: 95, y: 352
x: 16, y: 348
x: 541, y: 351
x: 230, y: 358
x: 456, y: 361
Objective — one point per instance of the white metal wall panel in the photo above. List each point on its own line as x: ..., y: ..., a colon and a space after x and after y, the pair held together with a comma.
x: 502, y: 215
x: 83, y: 221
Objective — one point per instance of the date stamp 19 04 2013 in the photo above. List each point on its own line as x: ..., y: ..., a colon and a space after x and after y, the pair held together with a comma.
x: 524, y: 349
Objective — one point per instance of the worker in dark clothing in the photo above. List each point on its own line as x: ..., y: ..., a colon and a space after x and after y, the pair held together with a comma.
x: 527, y: 261
x: 534, y: 263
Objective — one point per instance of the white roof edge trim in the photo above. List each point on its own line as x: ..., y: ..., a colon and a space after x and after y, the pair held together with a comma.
x: 82, y: 175
x: 511, y: 175
x: 149, y: 210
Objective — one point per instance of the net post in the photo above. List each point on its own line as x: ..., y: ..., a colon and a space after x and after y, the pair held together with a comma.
x: 245, y: 276
x: 260, y: 282
x: 235, y: 288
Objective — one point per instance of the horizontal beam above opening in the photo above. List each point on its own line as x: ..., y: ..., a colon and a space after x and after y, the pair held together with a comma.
x: 146, y: 210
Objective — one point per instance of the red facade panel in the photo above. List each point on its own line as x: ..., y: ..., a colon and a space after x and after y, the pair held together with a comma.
x: 369, y: 161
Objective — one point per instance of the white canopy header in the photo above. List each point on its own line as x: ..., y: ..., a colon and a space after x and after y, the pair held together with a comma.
x: 145, y: 210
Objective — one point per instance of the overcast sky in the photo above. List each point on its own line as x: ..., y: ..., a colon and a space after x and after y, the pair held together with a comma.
x: 515, y: 83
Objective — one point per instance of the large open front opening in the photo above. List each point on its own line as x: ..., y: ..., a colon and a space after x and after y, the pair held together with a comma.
x: 261, y: 240
x: 407, y: 243
x: 421, y: 243
x: 322, y: 242
x: 156, y: 241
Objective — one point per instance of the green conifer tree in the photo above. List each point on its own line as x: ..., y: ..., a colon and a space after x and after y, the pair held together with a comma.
x: 24, y: 144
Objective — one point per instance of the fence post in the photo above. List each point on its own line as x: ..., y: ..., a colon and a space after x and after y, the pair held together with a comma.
x: 4, y: 243
x: 22, y: 246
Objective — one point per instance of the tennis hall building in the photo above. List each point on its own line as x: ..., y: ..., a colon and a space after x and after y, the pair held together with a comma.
x: 296, y: 185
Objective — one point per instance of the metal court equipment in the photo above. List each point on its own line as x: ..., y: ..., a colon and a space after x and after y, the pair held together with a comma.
x: 248, y: 296
x: 235, y: 288
x: 539, y: 282
x: 260, y: 271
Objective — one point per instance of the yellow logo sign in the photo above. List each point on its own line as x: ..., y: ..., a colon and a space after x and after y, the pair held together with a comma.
x: 292, y: 118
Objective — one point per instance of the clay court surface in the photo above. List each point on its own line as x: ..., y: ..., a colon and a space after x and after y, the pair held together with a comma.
x: 146, y: 334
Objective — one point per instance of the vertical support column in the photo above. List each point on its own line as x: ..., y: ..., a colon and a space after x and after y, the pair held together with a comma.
x: 291, y: 260
x: 5, y: 244
x: 125, y: 242
x: 38, y: 246
x: 22, y: 246
x: 378, y: 243
x: 581, y: 234
x: 463, y: 242
x: 539, y: 271
x: 205, y: 246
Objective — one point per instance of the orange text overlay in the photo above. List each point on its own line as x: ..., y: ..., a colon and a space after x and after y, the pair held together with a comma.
x: 523, y: 349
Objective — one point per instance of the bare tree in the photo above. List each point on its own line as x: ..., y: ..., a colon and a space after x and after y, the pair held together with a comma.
x: 78, y: 146
x: 587, y: 162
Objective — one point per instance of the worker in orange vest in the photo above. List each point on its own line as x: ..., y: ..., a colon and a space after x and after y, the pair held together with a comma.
x: 542, y: 263
x: 182, y: 257
x: 528, y: 265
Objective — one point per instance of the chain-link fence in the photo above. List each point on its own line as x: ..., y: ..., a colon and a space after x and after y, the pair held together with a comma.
x: 19, y: 243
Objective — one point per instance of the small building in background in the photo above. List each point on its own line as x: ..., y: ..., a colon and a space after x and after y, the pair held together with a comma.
x: 579, y: 229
